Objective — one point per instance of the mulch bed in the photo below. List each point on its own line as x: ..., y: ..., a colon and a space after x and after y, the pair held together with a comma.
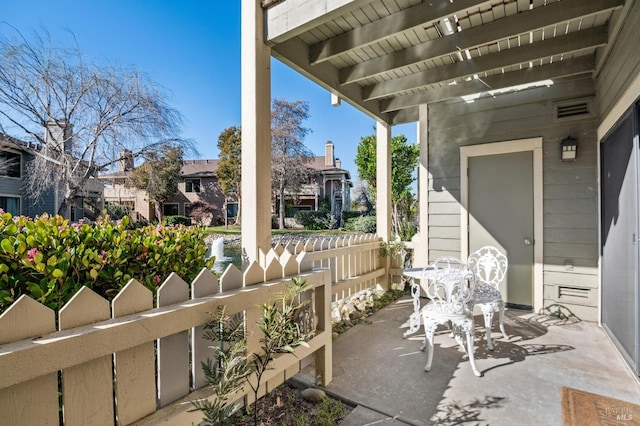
x: 285, y: 406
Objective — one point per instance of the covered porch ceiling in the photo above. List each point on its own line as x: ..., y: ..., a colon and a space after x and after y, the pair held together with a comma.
x: 386, y: 57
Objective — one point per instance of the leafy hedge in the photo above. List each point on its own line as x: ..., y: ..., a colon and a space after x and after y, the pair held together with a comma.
x: 177, y: 220
x: 311, y: 219
x: 350, y: 214
x: 50, y: 259
x: 365, y: 224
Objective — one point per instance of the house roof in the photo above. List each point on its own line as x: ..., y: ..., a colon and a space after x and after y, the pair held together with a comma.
x: 190, y: 168
x: 318, y: 163
x: 199, y: 168
x: 387, y: 57
x: 7, y: 141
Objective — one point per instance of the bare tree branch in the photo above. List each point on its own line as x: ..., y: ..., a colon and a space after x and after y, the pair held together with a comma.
x: 82, y: 115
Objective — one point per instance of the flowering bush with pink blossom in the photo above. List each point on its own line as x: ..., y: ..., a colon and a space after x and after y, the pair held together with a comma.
x: 50, y: 259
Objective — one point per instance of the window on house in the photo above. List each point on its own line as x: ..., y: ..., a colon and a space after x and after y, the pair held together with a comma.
x: 11, y: 205
x: 187, y: 209
x: 170, y: 209
x: 10, y: 164
x: 192, y: 185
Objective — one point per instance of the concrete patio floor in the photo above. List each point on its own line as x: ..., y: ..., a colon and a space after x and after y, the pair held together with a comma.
x: 383, y: 374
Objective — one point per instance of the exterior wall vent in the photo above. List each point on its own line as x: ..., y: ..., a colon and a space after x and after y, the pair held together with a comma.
x: 574, y: 109
x: 575, y: 295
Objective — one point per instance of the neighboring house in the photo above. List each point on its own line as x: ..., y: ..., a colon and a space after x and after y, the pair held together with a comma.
x: 198, y: 183
x: 15, y: 156
x: 331, y: 183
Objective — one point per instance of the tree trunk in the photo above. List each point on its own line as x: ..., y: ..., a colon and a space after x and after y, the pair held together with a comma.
x: 157, y: 211
x: 282, y: 209
x: 69, y: 196
x: 237, y: 221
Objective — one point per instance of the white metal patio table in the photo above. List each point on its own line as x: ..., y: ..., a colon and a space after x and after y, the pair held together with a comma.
x: 415, y: 275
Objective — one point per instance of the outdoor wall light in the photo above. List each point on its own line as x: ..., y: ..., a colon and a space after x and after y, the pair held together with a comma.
x: 568, y: 149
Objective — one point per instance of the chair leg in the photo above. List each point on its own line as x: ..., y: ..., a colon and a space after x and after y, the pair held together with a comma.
x: 472, y: 360
x: 501, y: 320
x: 429, y: 330
x: 487, y: 311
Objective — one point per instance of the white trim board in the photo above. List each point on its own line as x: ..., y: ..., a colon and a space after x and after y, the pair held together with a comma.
x: 534, y: 145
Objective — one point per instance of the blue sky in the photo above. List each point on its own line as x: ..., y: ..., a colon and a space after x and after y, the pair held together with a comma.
x: 192, y: 49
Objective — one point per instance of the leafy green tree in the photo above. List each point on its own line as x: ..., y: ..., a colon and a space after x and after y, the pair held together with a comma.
x: 229, y: 170
x: 159, y: 175
x: 404, y: 160
x: 290, y: 158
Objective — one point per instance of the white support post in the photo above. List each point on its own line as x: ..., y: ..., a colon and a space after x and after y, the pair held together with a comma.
x: 256, y: 132
x: 383, y: 181
x: 421, y: 240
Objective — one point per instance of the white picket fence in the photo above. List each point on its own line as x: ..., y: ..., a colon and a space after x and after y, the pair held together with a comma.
x: 128, y: 362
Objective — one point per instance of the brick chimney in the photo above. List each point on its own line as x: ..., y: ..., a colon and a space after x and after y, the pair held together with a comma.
x: 328, y: 154
x: 58, y: 134
x: 126, y: 160
x: 338, y: 163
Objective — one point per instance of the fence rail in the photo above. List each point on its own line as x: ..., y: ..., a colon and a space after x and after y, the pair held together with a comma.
x: 129, y: 362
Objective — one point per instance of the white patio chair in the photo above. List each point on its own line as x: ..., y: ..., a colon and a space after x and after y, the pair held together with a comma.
x: 490, y: 267
x: 449, y: 284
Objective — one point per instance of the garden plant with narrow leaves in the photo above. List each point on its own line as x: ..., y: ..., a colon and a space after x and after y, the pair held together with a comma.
x: 49, y: 258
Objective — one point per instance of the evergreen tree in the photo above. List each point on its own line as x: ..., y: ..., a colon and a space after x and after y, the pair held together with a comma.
x: 229, y: 168
x: 404, y: 160
x: 159, y: 175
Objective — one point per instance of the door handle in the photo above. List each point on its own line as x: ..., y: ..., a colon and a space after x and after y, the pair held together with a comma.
x: 528, y: 241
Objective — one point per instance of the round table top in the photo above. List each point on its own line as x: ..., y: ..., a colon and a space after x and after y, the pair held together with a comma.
x: 415, y: 272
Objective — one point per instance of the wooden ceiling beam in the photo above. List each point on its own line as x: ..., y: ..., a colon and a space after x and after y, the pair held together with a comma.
x: 569, y: 43
x: 494, y: 82
x: 488, y: 33
x: 294, y: 53
x: 419, y: 15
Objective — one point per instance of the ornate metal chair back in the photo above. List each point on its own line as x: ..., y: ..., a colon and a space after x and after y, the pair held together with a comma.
x: 450, y: 283
x: 489, y: 264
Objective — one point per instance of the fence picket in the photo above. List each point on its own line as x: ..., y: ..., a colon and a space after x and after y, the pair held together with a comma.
x: 231, y: 278
x: 308, y: 246
x: 135, y: 368
x: 87, y: 389
x: 305, y: 264
x: 289, y: 264
x: 205, y: 284
x: 273, y: 270
x: 254, y: 274
x: 173, y: 351
x: 25, y: 319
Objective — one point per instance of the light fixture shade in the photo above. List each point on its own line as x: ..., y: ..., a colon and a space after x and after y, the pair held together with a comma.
x: 569, y: 149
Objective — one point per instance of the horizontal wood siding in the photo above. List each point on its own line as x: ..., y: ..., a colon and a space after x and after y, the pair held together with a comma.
x: 16, y: 187
x: 622, y: 65
x: 569, y: 189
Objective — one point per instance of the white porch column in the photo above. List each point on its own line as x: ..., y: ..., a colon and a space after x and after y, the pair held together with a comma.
x: 383, y: 180
x: 421, y: 239
x: 256, y: 132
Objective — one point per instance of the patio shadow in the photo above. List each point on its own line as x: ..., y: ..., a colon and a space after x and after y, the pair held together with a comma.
x: 454, y: 413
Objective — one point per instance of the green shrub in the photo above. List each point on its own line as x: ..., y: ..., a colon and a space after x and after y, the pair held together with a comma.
x: 49, y: 259
x: 347, y: 215
x: 310, y: 219
x: 177, y: 220
x: 365, y: 224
